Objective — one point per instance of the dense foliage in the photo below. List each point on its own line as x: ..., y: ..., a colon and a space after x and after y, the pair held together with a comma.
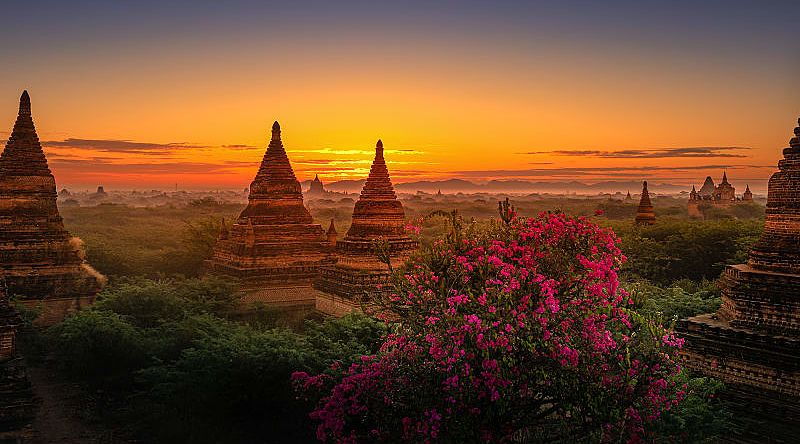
x: 123, y: 241
x: 174, y: 370
x: 675, y: 249
x: 165, y: 359
x: 518, y: 332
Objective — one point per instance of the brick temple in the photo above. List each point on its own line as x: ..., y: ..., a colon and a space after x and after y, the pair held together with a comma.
x: 378, y: 219
x: 40, y: 262
x: 645, y: 214
x: 711, y: 195
x: 753, y: 342
x: 18, y: 406
x: 274, y: 247
x: 316, y: 188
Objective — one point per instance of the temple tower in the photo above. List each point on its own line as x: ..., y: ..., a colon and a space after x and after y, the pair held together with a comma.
x: 645, y: 214
x: 316, y: 186
x: 747, y: 196
x: 707, y: 190
x: 753, y: 342
x: 724, y: 193
x: 42, y: 264
x: 378, y: 226
x: 274, y: 247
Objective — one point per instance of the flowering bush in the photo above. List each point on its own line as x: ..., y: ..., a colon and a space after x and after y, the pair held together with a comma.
x: 518, y: 332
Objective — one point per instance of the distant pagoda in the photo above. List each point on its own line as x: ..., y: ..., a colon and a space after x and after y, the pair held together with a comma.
x: 40, y: 262
x: 753, y: 342
x: 645, y: 214
x: 378, y: 222
x: 274, y: 243
x: 747, y: 196
x: 316, y: 186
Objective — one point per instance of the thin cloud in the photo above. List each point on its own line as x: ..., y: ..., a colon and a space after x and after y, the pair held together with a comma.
x: 106, y: 166
x: 120, y: 146
x: 240, y: 147
x: 124, y: 146
x: 370, y: 152
x: 654, y: 153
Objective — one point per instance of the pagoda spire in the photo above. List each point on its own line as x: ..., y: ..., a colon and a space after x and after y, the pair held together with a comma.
x: 724, y: 177
x: 645, y: 213
x: 778, y: 249
x: 40, y: 262
x: 378, y: 212
x: 275, y: 182
x: 23, y: 155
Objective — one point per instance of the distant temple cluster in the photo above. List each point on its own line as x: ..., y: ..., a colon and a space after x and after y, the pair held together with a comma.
x: 722, y: 195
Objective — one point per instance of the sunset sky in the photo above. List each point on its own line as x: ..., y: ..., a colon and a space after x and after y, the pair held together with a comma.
x: 144, y: 94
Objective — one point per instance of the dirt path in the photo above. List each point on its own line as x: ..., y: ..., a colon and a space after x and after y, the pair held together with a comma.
x: 58, y: 420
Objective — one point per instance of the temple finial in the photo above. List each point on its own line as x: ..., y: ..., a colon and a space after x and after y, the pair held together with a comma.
x: 276, y: 131
x: 724, y: 176
x: 795, y: 141
x: 25, y: 103
x: 644, y: 186
x: 379, y: 149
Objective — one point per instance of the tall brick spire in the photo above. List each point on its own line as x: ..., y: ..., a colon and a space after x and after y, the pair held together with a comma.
x: 275, y: 192
x: 23, y: 154
x: 752, y: 343
x: 41, y: 264
x: 275, y: 241
x: 378, y: 217
x: 779, y: 246
x: 377, y: 212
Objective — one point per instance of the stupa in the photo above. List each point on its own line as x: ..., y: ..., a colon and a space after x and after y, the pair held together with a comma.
x: 378, y: 224
x: 752, y: 342
x: 747, y: 196
x: 645, y: 214
x: 40, y: 262
x: 274, y: 248
x: 316, y: 187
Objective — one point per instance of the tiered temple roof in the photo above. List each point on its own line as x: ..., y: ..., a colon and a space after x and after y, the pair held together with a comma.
x: 645, y: 213
x: 378, y: 222
x: 40, y: 261
x: 753, y: 342
x: 274, y: 242
x: 708, y: 187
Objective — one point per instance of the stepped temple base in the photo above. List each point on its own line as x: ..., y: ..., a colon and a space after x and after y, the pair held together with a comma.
x: 761, y: 375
